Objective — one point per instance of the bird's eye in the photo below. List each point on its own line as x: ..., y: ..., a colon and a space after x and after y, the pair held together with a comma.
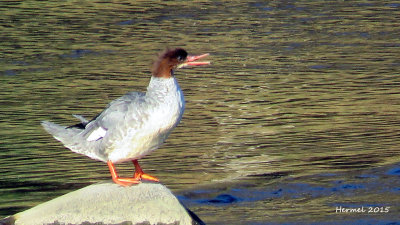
x: 180, y: 58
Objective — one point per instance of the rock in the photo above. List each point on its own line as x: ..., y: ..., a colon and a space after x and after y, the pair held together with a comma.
x: 109, y: 203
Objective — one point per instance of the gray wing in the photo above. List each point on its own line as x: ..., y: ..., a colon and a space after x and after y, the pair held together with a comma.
x: 91, y: 138
x: 114, y: 117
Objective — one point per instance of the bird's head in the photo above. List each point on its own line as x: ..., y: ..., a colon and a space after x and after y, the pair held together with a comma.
x: 169, y: 60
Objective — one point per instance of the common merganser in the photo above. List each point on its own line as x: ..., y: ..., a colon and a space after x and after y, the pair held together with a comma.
x: 135, y: 124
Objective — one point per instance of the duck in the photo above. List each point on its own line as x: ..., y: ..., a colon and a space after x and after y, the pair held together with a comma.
x: 134, y: 125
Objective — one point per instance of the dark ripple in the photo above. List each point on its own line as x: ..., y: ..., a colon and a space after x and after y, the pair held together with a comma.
x: 222, y: 199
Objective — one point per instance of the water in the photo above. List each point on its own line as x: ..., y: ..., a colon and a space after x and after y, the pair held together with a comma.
x: 298, y: 114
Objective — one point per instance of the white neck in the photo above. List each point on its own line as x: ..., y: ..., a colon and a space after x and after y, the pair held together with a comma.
x: 166, y: 91
x: 162, y: 86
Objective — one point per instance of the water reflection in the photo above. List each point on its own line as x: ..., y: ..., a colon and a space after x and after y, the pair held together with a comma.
x: 296, y: 88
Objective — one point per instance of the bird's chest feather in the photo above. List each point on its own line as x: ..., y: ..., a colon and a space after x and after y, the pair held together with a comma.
x: 164, y: 114
x: 164, y: 119
x: 154, y: 126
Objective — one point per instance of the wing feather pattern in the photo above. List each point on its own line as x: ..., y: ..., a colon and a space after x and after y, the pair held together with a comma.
x: 92, y: 137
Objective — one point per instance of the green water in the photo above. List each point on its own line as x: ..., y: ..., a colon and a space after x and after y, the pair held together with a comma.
x: 296, y: 89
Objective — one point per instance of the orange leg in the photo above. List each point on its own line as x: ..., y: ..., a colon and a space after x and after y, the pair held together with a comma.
x: 140, y: 175
x: 119, y: 180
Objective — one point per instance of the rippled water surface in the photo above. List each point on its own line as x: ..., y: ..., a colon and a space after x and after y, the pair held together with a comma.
x: 297, y: 115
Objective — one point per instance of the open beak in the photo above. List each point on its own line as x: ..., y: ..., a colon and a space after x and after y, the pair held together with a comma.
x: 191, y: 60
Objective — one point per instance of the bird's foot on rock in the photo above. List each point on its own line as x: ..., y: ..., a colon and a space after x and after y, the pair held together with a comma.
x: 144, y: 176
x: 140, y: 175
x: 126, y: 182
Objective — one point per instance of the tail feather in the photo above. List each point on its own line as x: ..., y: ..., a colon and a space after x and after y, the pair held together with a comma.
x: 72, y: 139
x: 83, y: 120
x: 59, y: 132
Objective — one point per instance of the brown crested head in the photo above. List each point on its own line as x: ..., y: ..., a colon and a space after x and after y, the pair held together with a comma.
x: 167, y: 61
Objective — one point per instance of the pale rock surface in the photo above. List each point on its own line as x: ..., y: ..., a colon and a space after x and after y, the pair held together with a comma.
x: 109, y: 203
